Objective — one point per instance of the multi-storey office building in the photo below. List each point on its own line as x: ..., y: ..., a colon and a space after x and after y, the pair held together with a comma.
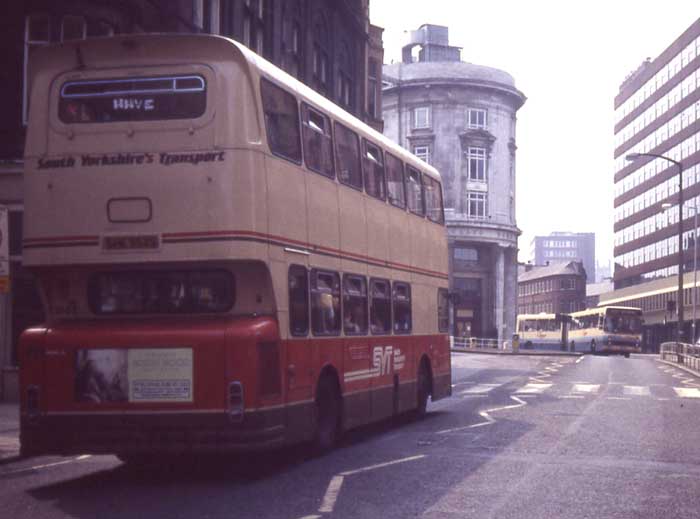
x: 563, y: 247
x: 657, y: 110
x: 559, y: 288
x: 461, y: 118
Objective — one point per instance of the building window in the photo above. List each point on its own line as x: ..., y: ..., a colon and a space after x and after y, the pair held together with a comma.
x: 254, y: 26
x: 476, y: 204
x: 37, y: 33
x: 476, y: 163
x: 423, y: 153
x: 421, y: 117
x: 344, y: 94
x: 291, y: 38
x: 476, y: 118
x: 372, y: 89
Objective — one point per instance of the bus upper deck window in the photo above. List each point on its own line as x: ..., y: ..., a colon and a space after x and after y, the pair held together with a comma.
x: 347, y: 151
x: 318, y: 143
x: 132, y: 99
x: 281, y: 121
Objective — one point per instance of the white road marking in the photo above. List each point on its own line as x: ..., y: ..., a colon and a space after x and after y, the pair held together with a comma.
x: 336, y: 483
x: 331, y: 495
x: 486, y: 416
x: 572, y: 396
x: 479, y: 388
x: 636, y: 390
x: 585, y: 388
x: 533, y: 388
x: 687, y: 392
x: 580, y: 359
x: 48, y: 465
x: 617, y: 398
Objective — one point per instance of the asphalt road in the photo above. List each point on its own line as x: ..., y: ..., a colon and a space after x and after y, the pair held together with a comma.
x: 522, y: 437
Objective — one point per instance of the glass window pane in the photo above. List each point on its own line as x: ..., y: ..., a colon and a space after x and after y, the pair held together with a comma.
x: 348, y: 156
x: 281, y: 121
x: 414, y: 192
x: 318, y: 143
x: 395, y: 181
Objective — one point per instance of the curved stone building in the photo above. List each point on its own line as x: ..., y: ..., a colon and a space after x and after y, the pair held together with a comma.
x: 461, y: 118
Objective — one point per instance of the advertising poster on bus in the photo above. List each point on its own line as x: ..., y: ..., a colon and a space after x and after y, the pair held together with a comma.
x: 134, y: 375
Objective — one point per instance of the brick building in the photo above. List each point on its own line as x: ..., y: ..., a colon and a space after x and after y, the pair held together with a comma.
x: 558, y: 288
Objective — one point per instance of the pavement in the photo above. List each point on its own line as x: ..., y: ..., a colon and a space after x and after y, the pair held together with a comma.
x: 9, y: 431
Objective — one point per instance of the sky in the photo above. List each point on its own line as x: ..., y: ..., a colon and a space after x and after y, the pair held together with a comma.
x: 569, y: 59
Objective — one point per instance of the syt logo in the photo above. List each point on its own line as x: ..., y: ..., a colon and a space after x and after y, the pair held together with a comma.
x: 382, y: 357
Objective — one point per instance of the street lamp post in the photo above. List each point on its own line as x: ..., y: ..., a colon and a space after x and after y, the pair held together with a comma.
x: 679, y: 296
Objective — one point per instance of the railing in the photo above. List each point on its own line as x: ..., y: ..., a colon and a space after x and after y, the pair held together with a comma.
x: 478, y: 343
x: 687, y: 355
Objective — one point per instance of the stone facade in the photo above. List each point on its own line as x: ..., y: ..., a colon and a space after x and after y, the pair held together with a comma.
x: 461, y: 118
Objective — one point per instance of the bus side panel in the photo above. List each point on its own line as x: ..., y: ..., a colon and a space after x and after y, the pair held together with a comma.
x: 442, y: 370
x: 322, y: 207
x: 286, y: 203
x: 31, y: 382
x: 357, y: 381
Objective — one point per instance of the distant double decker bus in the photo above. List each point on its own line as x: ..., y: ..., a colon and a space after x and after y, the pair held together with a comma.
x: 228, y: 260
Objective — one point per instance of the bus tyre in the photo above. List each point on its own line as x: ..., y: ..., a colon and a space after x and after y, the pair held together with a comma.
x: 422, y: 390
x: 593, y: 347
x: 327, y: 414
x: 627, y: 355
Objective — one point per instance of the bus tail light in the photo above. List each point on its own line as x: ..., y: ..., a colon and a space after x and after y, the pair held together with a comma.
x: 33, y: 401
x: 236, y: 406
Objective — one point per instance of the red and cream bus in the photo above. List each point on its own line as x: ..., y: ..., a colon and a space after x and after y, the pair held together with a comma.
x: 227, y: 259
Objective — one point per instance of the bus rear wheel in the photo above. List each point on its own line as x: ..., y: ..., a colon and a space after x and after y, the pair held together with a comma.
x: 327, y: 414
x: 422, y: 390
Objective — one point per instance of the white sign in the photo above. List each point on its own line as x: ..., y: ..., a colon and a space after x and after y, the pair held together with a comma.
x: 160, y: 375
x: 4, y: 250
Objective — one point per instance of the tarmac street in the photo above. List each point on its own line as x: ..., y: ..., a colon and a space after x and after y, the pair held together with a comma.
x: 521, y: 437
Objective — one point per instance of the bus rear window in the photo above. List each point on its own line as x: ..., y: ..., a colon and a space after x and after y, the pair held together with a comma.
x: 150, y: 292
x: 133, y: 99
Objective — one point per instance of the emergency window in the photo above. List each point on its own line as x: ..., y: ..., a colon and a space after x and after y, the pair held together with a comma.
x: 281, y: 121
x: 132, y: 99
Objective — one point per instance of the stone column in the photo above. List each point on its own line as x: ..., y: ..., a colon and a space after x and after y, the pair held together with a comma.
x: 499, y: 293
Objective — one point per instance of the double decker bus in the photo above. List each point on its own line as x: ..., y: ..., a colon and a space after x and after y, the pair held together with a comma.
x: 607, y: 329
x: 541, y: 331
x: 228, y: 260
